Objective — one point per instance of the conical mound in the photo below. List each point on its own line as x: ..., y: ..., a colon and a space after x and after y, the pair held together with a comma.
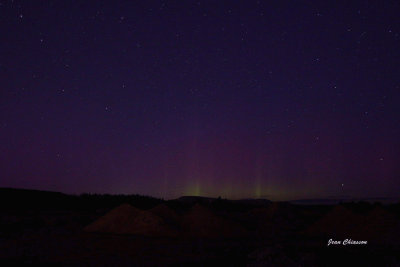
x: 339, y: 222
x: 115, y: 221
x: 201, y: 222
x: 126, y: 219
x: 379, y: 226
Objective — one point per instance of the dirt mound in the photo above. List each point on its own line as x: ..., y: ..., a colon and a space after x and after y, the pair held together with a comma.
x: 340, y: 222
x: 117, y: 220
x: 379, y: 226
x: 202, y: 222
x: 126, y: 219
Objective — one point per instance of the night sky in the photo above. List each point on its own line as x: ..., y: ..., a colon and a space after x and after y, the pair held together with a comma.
x: 238, y: 99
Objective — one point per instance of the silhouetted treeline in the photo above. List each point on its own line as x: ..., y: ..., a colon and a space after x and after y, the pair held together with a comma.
x: 110, y: 201
x: 30, y: 200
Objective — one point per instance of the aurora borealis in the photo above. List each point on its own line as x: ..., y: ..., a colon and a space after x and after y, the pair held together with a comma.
x: 238, y: 99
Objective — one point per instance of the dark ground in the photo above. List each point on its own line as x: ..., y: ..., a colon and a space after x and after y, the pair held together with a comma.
x: 46, y: 229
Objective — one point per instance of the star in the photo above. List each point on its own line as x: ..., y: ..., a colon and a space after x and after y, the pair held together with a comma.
x: 244, y: 81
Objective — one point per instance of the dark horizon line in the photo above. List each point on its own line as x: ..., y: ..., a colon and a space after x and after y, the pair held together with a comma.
x: 328, y: 198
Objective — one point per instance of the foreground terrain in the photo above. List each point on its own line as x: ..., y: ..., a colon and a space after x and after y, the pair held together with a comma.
x: 49, y: 228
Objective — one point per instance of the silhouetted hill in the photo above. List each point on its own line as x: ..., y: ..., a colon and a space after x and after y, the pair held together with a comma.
x: 195, y: 199
x: 253, y: 201
x: 221, y: 204
x: 26, y: 199
x: 199, y: 199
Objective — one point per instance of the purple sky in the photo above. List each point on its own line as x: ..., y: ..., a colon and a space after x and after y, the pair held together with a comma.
x: 280, y: 100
